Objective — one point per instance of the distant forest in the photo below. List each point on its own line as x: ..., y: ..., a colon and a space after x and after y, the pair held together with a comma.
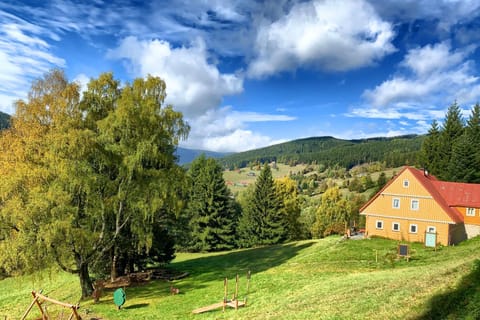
x: 329, y: 151
x: 4, y: 120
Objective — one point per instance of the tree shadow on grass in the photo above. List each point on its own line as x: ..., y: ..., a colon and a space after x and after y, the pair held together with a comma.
x: 460, y: 303
x: 256, y: 260
x: 217, y: 267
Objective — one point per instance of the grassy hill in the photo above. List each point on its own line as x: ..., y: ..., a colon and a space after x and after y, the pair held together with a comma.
x: 394, y: 151
x: 4, y: 120
x: 319, y: 279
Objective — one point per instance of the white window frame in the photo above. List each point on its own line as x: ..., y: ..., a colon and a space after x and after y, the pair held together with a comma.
x: 470, y: 212
x: 393, y: 203
x: 396, y: 224
x: 411, y: 204
x: 410, y: 228
x: 432, y: 227
x: 406, y: 183
x: 381, y: 225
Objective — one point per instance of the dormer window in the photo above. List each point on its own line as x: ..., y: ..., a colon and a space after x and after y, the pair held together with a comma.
x: 406, y: 183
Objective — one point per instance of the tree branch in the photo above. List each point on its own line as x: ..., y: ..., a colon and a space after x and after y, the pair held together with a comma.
x: 60, y: 263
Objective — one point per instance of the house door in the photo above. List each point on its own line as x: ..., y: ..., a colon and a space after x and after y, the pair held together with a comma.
x: 431, y: 237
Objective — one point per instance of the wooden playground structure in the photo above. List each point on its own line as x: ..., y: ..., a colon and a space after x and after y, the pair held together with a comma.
x: 233, y: 303
x: 39, y: 299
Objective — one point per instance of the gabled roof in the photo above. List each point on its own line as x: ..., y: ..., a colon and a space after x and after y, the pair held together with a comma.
x: 428, y: 181
x: 446, y: 194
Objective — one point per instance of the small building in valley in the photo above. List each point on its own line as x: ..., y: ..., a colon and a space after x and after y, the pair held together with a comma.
x: 416, y: 207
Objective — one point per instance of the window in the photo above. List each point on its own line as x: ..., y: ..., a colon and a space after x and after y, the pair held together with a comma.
x: 414, y: 204
x: 395, y: 226
x: 379, y: 224
x: 471, y: 212
x: 431, y: 229
x: 396, y: 203
x: 405, y: 183
x: 413, y: 228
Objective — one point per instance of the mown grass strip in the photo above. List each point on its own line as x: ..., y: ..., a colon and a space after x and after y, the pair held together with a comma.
x: 318, y: 279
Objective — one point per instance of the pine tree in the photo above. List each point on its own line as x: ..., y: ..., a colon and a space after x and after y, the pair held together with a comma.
x: 462, y: 163
x: 472, y: 132
x: 452, y: 129
x: 212, y: 212
x: 262, y: 221
x: 430, y: 153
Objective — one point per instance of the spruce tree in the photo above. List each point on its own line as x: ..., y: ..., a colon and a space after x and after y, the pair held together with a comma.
x: 262, y: 221
x: 452, y: 129
x: 211, y: 208
x: 430, y: 153
x: 472, y: 132
x: 462, y: 163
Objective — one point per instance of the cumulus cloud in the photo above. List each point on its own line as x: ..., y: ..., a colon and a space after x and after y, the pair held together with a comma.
x: 322, y: 34
x: 24, y: 56
x: 224, y: 129
x: 193, y: 84
x: 196, y: 87
x: 432, y: 74
x: 428, y: 79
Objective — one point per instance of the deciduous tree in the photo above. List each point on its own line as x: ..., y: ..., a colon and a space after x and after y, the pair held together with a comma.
x: 81, y: 173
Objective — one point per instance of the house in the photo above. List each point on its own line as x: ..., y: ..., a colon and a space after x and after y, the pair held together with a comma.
x: 414, y: 206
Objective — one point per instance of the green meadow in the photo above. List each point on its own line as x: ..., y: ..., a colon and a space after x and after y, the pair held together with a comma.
x: 319, y: 279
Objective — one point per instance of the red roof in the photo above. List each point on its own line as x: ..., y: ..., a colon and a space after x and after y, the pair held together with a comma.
x: 459, y: 194
x: 429, y: 182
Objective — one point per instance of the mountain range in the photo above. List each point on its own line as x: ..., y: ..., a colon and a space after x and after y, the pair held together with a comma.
x: 330, y: 151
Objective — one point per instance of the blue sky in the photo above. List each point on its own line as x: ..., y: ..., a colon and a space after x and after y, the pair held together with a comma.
x: 248, y: 74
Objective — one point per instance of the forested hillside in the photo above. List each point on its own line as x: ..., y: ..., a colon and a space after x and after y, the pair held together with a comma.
x: 4, y: 120
x: 330, y: 151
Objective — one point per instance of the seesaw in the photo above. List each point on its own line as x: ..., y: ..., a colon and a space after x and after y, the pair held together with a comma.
x: 233, y: 303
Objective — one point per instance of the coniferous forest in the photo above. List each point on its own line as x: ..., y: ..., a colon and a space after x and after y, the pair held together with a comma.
x: 90, y: 182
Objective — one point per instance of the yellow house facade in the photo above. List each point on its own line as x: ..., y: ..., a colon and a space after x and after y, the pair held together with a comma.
x: 416, y: 207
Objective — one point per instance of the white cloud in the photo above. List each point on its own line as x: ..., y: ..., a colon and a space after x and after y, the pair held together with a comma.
x: 432, y: 59
x: 196, y: 87
x: 193, y: 84
x: 82, y: 80
x: 410, y: 112
x: 323, y: 34
x: 224, y: 129
x: 432, y: 76
x: 24, y: 56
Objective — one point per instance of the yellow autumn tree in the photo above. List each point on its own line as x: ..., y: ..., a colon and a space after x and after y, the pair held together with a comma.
x: 82, y: 178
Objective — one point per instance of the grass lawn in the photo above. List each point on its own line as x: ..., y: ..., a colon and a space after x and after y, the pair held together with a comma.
x: 318, y: 279
x: 238, y: 180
